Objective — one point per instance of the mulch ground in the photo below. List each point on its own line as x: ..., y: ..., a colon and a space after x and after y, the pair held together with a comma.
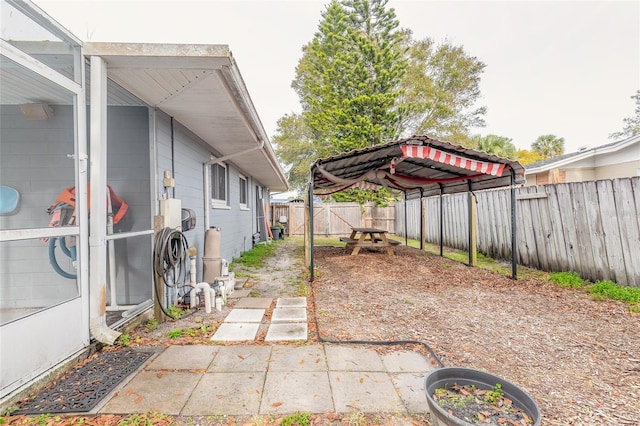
x: 579, y: 359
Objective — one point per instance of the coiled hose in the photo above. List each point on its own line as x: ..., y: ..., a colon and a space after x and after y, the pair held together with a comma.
x: 170, y: 261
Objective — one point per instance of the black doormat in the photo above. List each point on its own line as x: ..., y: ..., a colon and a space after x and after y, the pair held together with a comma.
x: 82, y: 389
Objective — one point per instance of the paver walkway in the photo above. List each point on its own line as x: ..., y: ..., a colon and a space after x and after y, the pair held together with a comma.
x: 209, y: 380
x: 288, y: 320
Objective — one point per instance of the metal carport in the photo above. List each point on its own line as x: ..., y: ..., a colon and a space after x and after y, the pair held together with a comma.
x: 417, y: 166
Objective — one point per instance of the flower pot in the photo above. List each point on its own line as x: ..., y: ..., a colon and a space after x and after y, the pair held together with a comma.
x: 448, y: 376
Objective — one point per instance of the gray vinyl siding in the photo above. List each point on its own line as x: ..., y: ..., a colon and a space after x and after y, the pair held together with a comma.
x: 190, y: 153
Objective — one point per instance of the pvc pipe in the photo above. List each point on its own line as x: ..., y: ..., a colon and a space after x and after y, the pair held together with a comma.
x: 192, y: 282
x: 206, y: 288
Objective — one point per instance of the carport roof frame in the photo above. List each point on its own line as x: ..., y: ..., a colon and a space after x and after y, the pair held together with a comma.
x: 426, y: 175
x: 430, y: 176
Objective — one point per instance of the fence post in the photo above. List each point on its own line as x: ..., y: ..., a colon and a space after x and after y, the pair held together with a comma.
x: 367, y: 215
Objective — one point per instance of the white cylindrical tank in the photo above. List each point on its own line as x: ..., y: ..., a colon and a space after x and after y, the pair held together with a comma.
x: 211, y: 260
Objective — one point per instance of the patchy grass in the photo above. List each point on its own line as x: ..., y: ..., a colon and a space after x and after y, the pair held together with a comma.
x: 567, y: 279
x: 610, y: 290
x: 256, y: 257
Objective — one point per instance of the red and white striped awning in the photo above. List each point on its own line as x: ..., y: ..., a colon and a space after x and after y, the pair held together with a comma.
x: 486, y: 167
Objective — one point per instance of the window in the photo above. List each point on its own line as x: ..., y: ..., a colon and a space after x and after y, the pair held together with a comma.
x: 219, y: 184
x: 243, y: 192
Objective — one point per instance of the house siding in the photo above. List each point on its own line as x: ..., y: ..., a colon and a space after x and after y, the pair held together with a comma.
x: 189, y: 155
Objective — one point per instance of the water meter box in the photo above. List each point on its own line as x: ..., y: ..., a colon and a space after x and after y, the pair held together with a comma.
x: 171, y: 212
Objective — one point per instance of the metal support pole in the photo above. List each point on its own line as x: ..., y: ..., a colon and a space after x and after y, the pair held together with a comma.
x: 514, y: 248
x: 422, y: 219
x: 473, y: 254
x: 406, y: 228
x: 441, y: 221
x: 311, y: 268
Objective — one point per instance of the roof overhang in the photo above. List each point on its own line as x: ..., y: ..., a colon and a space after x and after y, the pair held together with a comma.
x: 416, y: 165
x: 200, y: 86
x: 589, y: 153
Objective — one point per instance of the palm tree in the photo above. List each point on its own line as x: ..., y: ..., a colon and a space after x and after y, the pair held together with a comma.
x: 548, y: 146
x: 497, y: 145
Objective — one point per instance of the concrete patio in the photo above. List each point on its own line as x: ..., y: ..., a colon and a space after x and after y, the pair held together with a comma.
x: 279, y: 379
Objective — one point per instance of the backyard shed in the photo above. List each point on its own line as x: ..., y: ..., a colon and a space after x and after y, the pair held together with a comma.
x: 419, y: 167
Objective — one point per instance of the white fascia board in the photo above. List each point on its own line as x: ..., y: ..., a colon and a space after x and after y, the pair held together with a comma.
x: 589, y: 153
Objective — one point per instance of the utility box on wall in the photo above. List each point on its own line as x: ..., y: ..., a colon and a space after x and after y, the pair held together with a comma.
x: 171, y: 212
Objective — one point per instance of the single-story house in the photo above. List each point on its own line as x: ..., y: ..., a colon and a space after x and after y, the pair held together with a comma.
x: 614, y: 160
x: 128, y: 127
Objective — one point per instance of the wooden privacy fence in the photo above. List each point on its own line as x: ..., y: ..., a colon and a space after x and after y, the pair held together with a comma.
x: 591, y: 228
x: 335, y: 219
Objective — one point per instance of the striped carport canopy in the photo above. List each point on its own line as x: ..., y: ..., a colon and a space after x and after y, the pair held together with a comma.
x: 413, y: 165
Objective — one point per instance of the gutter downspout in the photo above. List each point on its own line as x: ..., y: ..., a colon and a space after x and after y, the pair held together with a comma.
x: 98, y: 225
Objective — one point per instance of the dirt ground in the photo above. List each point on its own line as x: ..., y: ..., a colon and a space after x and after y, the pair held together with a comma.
x: 579, y: 359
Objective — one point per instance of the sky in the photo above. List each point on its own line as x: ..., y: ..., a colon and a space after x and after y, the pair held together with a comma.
x: 563, y: 68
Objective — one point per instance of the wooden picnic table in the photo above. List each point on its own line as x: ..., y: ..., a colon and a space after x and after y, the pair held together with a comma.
x: 368, y: 237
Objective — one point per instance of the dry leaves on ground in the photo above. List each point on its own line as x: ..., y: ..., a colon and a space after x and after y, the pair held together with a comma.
x: 576, y: 357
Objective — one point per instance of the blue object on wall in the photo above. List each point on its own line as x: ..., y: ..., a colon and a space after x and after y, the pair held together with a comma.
x: 9, y: 200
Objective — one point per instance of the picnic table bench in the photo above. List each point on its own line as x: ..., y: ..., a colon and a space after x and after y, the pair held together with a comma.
x: 370, y: 238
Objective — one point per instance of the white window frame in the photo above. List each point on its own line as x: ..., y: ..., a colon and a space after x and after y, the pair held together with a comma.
x: 243, y: 182
x: 219, y: 203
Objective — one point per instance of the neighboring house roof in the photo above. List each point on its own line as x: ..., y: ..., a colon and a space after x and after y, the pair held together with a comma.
x: 201, y: 87
x: 566, y: 159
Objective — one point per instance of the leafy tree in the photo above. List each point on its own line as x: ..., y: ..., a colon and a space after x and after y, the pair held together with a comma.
x: 497, y: 145
x: 524, y: 156
x: 548, y: 146
x: 348, y: 76
x: 631, y: 124
x: 362, y: 81
x: 441, y: 87
x: 295, y: 148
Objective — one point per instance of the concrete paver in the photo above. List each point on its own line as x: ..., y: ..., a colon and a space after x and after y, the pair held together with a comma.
x: 165, y: 392
x: 236, y: 332
x: 254, y: 303
x: 289, y: 315
x: 364, y: 391
x: 273, y: 379
x: 349, y: 358
x: 410, y: 386
x: 405, y: 361
x: 287, y: 332
x: 298, y: 358
x: 245, y: 315
x: 237, y: 294
x: 299, y: 391
x: 179, y: 357
x: 243, y: 358
x: 291, y: 302
x: 226, y: 393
